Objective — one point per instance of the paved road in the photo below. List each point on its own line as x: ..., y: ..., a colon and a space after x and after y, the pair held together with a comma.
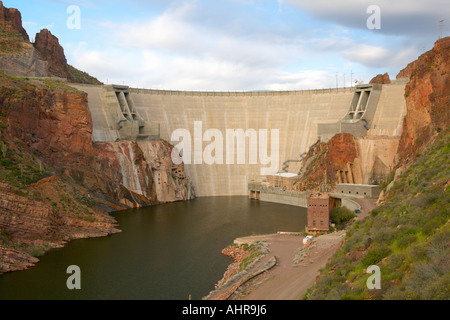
x: 367, y: 205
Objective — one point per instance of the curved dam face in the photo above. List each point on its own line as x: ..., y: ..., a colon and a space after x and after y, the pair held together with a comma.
x: 290, y: 120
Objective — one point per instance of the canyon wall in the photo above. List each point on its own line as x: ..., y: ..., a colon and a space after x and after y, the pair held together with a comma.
x: 56, y: 184
x: 427, y: 99
x: 56, y: 126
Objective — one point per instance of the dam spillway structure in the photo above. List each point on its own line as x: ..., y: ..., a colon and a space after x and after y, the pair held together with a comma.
x: 115, y: 116
x: 374, y: 113
x: 358, y: 119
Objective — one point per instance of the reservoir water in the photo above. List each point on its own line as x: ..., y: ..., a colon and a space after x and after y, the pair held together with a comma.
x: 165, y: 252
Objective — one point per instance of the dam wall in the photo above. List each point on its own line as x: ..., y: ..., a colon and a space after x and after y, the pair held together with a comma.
x: 295, y: 114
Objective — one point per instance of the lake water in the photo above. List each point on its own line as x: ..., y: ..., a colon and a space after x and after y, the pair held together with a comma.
x: 165, y: 252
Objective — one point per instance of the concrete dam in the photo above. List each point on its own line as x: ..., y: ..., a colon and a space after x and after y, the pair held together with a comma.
x: 372, y: 113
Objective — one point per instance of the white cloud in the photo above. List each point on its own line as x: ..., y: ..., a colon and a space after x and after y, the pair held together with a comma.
x: 379, y: 57
x: 400, y: 17
x: 176, y: 50
x: 172, y: 52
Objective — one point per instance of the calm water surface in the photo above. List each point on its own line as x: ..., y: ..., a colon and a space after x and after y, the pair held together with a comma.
x: 165, y: 252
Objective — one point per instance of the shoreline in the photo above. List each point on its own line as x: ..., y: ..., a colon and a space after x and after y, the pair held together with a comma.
x: 296, y: 265
x: 284, y: 272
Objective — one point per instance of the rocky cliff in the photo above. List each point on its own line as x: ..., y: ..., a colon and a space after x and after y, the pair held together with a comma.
x: 49, y: 49
x: 381, y: 79
x: 427, y: 100
x: 328, y: 164
x: 43, y: 58
x: 11, y: 20
x: 408, y: 234
x: 56, y: 184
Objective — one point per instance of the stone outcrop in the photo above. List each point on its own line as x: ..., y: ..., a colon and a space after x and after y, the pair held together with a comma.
x: 56, y: 126
x: 44, y: 58
x: 381, y: 79
x: 30, y: 226
x: 337, y: 161
x: 427, y: 100
x: 49, y: 49
x: 11, y: 20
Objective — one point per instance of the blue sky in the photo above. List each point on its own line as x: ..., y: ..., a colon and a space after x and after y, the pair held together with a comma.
x: 238, y: 44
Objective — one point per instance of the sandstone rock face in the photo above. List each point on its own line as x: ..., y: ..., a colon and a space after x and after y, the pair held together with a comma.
x: 51, y: 122
x: 26, y: 63
x: 49, y: 49
x: 337, y: 161
x: 381, y: 79
x: 35, y: 225
x: 11, y: 20
x: 44, y: 58
x: 57, y: 126
x: 427, y: 100
x: 147, y: 170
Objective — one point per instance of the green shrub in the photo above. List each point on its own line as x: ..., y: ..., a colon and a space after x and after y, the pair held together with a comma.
x: 430, y: 227
x: 375, y: 255
x: 341, y: 214
x: 384, y: 235
x: 406, y: 240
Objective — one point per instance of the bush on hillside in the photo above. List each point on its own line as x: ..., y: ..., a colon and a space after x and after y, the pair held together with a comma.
x: 340, y: 215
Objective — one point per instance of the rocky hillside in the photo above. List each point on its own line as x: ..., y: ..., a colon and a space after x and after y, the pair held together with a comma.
x: 408, y: 234
x: 408, y: 237
x: 43, y: 58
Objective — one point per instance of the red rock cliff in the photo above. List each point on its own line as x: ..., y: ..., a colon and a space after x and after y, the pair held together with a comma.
x: 427, y: 100
x: 331, y: 163
x: 46, y: 124
x: 11, y: 19
x: 48, y: 47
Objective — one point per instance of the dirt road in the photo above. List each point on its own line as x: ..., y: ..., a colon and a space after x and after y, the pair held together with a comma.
x: 287, y: 281
x: 296, y: 269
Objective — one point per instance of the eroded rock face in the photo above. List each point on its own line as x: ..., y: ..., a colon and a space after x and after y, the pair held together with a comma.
x: 11, y: 20
x: 381, y: 79
x: 331, y: 163
x: 51, y: 122
x: 49, y: 49
x: 427, y: 100
x: 35, y: 226
x: 57, y: 126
